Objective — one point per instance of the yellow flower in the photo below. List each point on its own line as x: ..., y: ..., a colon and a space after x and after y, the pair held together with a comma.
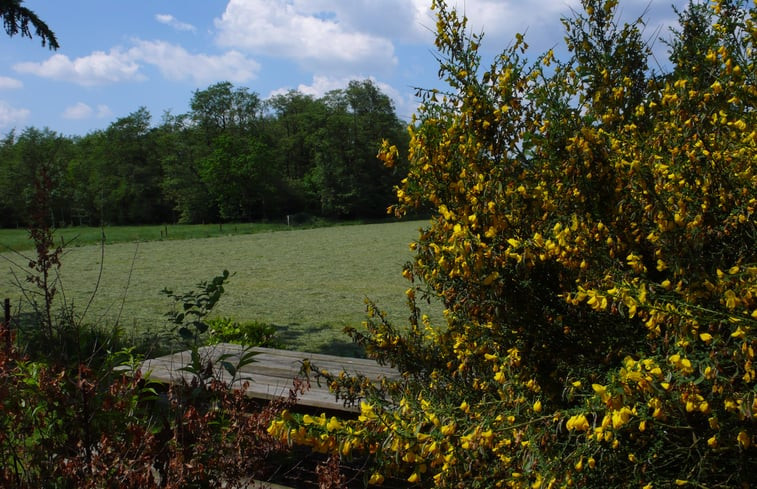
x: 577, y: 422
x: 731, y: 301
x: 621, y: 417
x: 376, y: 479
x: 333, y: 424
x: 346, y: 448
x: 744, y: 440
x: 366, y: 412
x: 537, y: 406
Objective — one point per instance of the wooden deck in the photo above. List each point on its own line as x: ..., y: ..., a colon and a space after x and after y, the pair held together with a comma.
x: 271, y: 373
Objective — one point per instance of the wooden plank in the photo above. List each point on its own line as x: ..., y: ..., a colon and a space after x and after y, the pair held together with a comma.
x: 272, y: 372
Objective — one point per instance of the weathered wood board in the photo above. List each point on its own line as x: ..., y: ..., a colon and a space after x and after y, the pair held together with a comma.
x: 271, y: 374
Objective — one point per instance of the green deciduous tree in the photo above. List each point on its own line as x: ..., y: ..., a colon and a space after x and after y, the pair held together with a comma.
x: 180, y: 147
x: 232, y: 157
x: 24, y: 157
x: 116, y: 174
x: 134, y: 171
x: 295, y: 127
x: 239, y: 177
x: 221, y: 107
x: 236, y: 163
x: 350, y: 179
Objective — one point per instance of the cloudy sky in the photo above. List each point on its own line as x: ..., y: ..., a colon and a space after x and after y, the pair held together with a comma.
x: 117, y: 56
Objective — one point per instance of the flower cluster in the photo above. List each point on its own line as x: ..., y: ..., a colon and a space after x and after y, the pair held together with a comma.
x: 594, y: 242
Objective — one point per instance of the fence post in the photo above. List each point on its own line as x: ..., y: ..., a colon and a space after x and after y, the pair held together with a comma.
x: 6, y: 329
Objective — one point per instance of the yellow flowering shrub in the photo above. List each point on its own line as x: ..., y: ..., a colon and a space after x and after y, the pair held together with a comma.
x: 594, y: 242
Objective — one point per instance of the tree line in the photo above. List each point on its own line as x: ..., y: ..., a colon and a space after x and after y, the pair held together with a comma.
x: 232, y: 157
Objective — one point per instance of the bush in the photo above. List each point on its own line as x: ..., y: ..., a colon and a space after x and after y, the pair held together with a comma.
x: 90, y: 420
x: 86, y: 428
x: 251, y: 333
x: 78, y: 415
x: 593, y: 240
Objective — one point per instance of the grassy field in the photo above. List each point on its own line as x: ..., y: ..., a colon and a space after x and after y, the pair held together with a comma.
x: 309, y: 282
x: 18, y: 239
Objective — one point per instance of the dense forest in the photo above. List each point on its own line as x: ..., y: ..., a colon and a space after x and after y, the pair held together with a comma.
x: 232, y: 157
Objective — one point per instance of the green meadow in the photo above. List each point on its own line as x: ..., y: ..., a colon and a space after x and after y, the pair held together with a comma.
x: 18, y: 239
x: 310, y: 283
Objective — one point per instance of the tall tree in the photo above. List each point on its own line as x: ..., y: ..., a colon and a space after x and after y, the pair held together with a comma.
x: 236, y: 165
x: 351, y: 180
x: 180, y: 147
x: 116, y: 174
x: 374, y: 120
x: 239, y: 178
x: 134, y: 170
x: 8, y: 215
x: 221, y: 107
x: 294, y: 131
x: 24, y: 159
x: 297, y: 118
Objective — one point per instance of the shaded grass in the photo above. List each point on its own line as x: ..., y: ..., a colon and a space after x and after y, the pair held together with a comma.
x: 18, y: 239
x: 311, y: 283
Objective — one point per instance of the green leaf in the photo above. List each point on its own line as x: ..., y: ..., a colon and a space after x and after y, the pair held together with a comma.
x: 200, y: 326
x: 229, y: 367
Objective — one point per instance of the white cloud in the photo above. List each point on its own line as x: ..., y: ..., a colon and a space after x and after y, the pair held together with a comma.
x: 172, y: 21
x: 413, y: 21
x: 103, y: 111
x: 83, y: 111
x: 78, y: 111
x: 401, y: 20
x: 176, y: 63
x: 339, y: 38
x: 7, y: 83
x: 293, y: 30
x: 11, y: 116
x: 173, y: 61
x: 499, y: 20
x: 96, y: 69
x: 322, y: 84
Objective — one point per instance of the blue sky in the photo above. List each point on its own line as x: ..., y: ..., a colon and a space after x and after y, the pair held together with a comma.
x: 117, y: 56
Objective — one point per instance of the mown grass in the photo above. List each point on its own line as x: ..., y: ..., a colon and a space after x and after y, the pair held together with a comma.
x: 310, y: 283
x: 18, y: 239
